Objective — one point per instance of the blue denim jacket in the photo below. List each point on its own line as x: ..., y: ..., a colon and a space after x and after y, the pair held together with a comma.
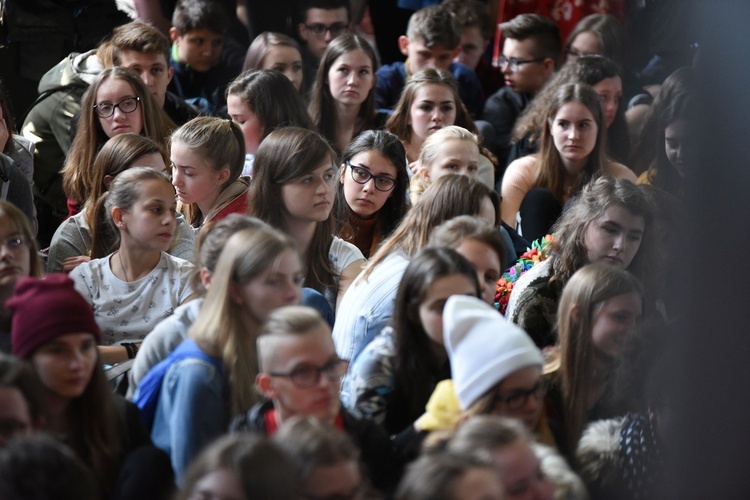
x: 193, y: 410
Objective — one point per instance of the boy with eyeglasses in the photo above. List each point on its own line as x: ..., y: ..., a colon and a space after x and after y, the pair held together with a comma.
x: 300, y: 374
x: 531, y: 54
x: 432, y: 40
x: 321, y: 22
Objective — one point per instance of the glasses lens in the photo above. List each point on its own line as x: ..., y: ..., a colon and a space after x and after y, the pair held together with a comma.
x: 128, y: 105
x: 317, y: 29
x: 337, y: 29
x: 334, y: 370
x: 360, y: 175
x: 306, y: 376
x: 384, y: 183
x: 104, y: 110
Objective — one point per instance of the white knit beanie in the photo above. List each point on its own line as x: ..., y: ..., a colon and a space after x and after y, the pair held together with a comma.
x: 483, y: 347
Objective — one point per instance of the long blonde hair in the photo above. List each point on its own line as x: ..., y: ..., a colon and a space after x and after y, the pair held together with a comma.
x: 224, y: 328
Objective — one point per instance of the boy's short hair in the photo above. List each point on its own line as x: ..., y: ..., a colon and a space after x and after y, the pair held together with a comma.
x: 542, y: 29
x: 434, y: 25
x: 138, y: 37
x: 306, y: 5
x: 294, y: 321
x: 191, y: 15
x: 470, y: 13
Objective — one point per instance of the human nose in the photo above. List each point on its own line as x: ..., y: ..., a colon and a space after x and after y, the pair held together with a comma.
x: 6, y: 252
x: 328, y: 35
x: 146, y: 78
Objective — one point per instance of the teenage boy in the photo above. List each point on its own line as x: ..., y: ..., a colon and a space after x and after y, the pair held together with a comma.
x: 476, y: 27
x: 322, y: 21
x: 531, y: 53
x: 137, y: 46
x: 432, y: 40
x: 300, y: 374
x: 200, y: 74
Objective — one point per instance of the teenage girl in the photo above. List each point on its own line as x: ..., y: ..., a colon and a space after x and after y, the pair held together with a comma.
x: 342, y: 102
x: 207, y: 155
x: 55, y: 332
x: 276, y: 52
x: 139, y: 284
x: 429, y: 102
x: 609, y: 222
x: 71, y: 244
x: 19, y: 257
x: 258, y: 271
x: 450, y: 150
x: 117, y: 102
x: 371, y: 190
x: 605, y: 77
x: 368, y: 305
x: 571, y: 152
x: 293, y: 190
x: 672, y: 161
x: 394, y: 376
x: 260, y: 102
x: 598, y: 311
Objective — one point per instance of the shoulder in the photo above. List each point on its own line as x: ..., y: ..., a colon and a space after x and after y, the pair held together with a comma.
x: 524, y: 166
x: 342, y: 253
x: 620, y: 171
x: 463, y: 73
x: 395, y: 69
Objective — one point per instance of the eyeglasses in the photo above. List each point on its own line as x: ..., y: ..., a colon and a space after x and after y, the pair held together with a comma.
x: 307, y: 376
x: 318, y: 29
x: 126, y: 105
x: 14, y: 243
x: 575, y: 54
x: 515, y: 64
x: 361, y: 175
x: 518, y: 399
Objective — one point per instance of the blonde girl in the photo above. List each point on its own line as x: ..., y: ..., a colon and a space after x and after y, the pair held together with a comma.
x: 207, y: 155
x: 450, y: 150
x: 258, y: 271
x: 138, y: 284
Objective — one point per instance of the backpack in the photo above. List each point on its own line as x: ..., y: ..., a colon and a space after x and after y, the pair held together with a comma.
x: 147, y: 395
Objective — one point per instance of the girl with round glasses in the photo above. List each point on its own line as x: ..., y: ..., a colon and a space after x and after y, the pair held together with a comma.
x: 371, y: 190
x: 117, y: 102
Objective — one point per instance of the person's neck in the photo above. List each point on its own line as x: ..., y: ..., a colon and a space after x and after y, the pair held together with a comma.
x: 207, y: 204
x: 346, y: 120
x: 573, y: 169
x: 56, y: 412
x: 302, y: 232
x: 282, y: 416
x: 412, y: 148
x: 130, y: 263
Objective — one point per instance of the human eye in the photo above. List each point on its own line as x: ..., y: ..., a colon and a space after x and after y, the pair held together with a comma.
x: 217, y: 43
x: 452, y: 166
x: 448, y: 108
x: 299, y: 279
x: 563, y: 124
x: 343, y: 69
x: 157, y: 70
x: 305, y: 374
x: 296, y: 68
x: 364, y: 72
x: 14, y: 242
x: 635, y: 237
x: 105, y: 108
x: 384, y: 182
x: 473, y: 168
x: 426, y: 108
x: 360, y: 173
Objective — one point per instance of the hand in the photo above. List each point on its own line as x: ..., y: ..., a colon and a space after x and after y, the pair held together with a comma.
x: 72, y: 262
x: 414, y: 167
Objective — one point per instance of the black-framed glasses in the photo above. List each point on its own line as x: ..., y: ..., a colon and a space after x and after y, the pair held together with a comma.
x: 126, y: 105
x: 515, y: 64
x: 518, y: 399
x: 361, y: 175
x: 307, y: 376
x: 319, y: 29
x: 575, y: 54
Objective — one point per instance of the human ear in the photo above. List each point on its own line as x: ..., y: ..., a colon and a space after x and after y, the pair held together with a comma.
x: 425, y: 173
x: 403, y: 44
x: 302, y: 30
x: 234, y: 293
x: 107, y: 181
x: 174, y: 35
x: 575, y: 313
x: 222, y: 176
x: 265, y: 385
x: 117, y: 214
x: 205, y: 275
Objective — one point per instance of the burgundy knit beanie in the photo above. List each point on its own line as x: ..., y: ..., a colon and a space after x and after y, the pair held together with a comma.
x: 46, y: 308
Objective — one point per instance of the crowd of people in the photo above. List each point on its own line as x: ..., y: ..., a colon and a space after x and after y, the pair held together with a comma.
x: 295, y: 266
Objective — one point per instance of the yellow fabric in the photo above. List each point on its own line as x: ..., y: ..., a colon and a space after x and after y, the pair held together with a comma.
x: 443, y: 410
